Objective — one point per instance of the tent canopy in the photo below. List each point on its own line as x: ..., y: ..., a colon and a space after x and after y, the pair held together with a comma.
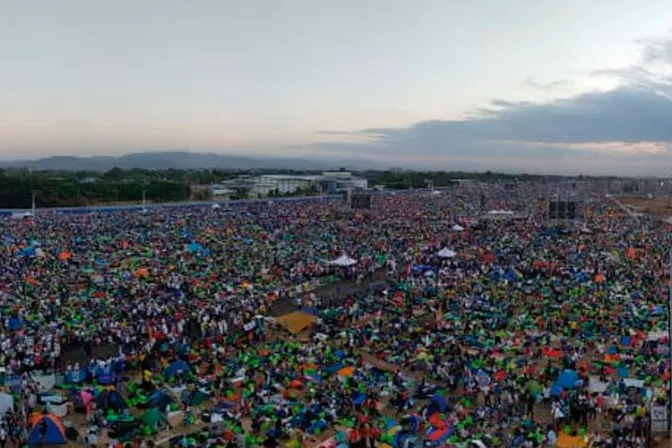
x: 567, y: 379
x: 440, y: 403
x: 111, y: 399
x: 343, y: 261
x: 198, y: 397
x: 6, y: 403
x: 159, y: 400
x: 47, y: 429
x: 175, y: 367
x: 446, y: 253
x: 296, y: 322
x: 154, y: 419
x: 457, y: 228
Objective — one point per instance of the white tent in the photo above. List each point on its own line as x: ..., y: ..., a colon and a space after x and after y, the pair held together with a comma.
x: 21, y: 215
x: 216, y: 205
x: 500, y: 212
x: 6, y: 403
x: 656, y: 335
x: 457, y: 228
x: 343, y: 261
x: 446, y: 253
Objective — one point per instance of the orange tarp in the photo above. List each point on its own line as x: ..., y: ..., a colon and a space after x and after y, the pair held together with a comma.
x: 296, y: 322
x: 567, y: 441
x: 346, y: 372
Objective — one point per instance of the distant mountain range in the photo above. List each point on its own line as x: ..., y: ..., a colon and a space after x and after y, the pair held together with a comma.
x: 187, y: 160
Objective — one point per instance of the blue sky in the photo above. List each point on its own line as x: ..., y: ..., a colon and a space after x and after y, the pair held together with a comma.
x: 546, y: 86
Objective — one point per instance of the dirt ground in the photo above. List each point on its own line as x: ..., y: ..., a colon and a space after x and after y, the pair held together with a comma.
x: 659, y: 206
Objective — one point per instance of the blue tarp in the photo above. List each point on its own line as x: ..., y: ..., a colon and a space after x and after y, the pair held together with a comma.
x: 159, y: 400
x: 15, y: 323
x: 420, y: 268
x: 172, y: 369
x: 358, y: 399
x: 333, y: 369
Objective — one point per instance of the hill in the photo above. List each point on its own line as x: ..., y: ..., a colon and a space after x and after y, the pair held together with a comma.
x: 186, y: 161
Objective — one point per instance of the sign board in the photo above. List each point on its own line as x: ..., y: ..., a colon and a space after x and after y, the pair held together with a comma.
x: 659, y: 419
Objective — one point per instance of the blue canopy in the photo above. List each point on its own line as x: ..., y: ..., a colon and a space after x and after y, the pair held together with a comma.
x: 195, y: 247
x: 111, y: 400
x: 440, y: 403
x: 556, y: 390
x: 175, y: 367
x: 567, y: 379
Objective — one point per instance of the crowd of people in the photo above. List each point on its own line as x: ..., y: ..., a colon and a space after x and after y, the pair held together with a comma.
x: 486, y: 329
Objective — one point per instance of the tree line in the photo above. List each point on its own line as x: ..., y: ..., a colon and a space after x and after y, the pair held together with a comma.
x: 82, y: 188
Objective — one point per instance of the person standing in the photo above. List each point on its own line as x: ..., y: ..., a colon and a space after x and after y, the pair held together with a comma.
x: 3, y: 436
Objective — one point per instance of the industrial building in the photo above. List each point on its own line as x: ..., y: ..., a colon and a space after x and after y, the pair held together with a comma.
x: 335, y: 181
x: 265, y: 185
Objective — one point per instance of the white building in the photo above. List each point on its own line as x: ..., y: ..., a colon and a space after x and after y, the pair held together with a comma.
x: 288, y: 184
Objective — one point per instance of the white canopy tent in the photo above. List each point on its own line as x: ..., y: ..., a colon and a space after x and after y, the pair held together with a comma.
x: 216, y: 206
x: 343, y: 261
x: 457, y: 228
x: 21, y: 215
x: 6, y: 403
x: 446, y: 253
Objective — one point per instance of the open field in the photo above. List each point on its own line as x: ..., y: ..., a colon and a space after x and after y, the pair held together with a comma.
x: 659, y: 206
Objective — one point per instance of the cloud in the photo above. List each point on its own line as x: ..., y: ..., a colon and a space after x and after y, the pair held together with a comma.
x: 626, y: 130
x: 559, y: 84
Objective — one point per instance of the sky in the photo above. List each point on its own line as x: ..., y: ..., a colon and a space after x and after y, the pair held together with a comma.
x: 537, y: 86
